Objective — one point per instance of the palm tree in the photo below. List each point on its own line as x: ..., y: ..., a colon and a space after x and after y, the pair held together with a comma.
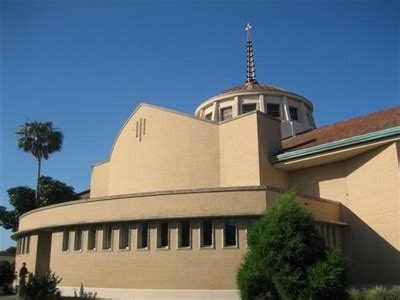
x: 40, y: 139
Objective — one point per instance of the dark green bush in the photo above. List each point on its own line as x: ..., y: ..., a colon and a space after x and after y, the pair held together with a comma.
x: 6, y: 277
x: 287, y: 259
x: 42, y: 286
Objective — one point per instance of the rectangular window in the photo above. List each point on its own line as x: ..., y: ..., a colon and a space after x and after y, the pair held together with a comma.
x: 163, y: 235
x: 28, y: 243
x: 78, y: 239
x: 249, y: 107
x: 92, y: 238
x: 273, y: 110
x: 143, y: 236
x: 293, y: 113
x: 23, y: 245
x: 107, y: 237
x: 124, y: 236
x: 207, y: 233
x: 328, y: 233
x: 65, y: 243
x: 226, y: 113
x: 208, y: 116
x: 230, y: 234
x: 184, y: 234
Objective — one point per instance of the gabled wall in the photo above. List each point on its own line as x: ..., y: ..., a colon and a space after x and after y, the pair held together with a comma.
x: 159, y: 150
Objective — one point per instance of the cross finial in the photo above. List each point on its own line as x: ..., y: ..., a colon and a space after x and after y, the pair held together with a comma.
x: 248, y: 29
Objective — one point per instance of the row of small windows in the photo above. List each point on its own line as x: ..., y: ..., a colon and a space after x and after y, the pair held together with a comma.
x: 23, y: 245
x: 273, y: 110
x: 230, y: 235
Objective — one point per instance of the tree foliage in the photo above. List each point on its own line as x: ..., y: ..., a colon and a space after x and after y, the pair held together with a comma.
x: 11, y: 250
x: 41, y: 140
x: 6, y: 276
x: 42, y: 286
x: 287, y: 259
x: 22, y: 198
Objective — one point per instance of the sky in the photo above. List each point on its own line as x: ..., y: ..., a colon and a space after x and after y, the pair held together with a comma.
x: 86, y: 65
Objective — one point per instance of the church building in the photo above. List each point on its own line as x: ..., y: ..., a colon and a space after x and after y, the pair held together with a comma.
x: 167, y: 213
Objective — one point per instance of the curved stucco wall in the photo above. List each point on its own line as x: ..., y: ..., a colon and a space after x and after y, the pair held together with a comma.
x: 194, y: 268
x: 240, y: 201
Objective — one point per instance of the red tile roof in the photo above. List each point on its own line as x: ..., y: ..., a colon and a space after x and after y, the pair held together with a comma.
x: 84, y: 194
x: 346, y: 129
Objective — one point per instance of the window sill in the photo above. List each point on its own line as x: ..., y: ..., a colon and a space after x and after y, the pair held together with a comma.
x: 107, y: 250
x: 124, y: 249
x: 184, y: 248
x: 143, y: 249
x: 207, y: 248
x: 230, y: 247
x: 163, y: 248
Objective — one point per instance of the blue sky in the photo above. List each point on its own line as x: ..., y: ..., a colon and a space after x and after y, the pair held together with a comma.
x: 85, y: 65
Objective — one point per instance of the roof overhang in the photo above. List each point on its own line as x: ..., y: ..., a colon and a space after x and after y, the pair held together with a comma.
x: 335, y: 151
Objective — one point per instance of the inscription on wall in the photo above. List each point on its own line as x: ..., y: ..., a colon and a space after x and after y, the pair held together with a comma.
x: 140, y: 130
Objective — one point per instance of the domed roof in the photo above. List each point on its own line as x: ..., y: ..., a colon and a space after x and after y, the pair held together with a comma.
x: 253, y: 86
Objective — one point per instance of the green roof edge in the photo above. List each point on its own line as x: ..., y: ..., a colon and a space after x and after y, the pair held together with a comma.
x: 359, y: 139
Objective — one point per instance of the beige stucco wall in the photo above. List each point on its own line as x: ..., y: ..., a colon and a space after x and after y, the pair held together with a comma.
x: 154, y: 268
x: 238, y: 146
x: 30, y: 258
x: 325, y: 181
x: 99, y: 180
x: 269, y: 143
x: 368, y: 186
x: 180, y: 152
x: 195, y: 268
x: 139, y: 207
x: 168, y: 151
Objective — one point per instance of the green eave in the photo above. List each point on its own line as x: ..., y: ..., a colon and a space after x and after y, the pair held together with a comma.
x: 355, y: 140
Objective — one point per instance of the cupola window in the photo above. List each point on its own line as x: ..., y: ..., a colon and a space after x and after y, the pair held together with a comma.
x: 208, y: 116
x: 273, y: 110
x: 226, y: 113
x: 248, y: 107
x: 293, y: 113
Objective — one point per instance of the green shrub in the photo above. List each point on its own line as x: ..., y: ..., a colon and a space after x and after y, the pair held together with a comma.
x: 375, y: 293
x: 42, y: 286
x: 287, y: 258
x: 394, y: 293
x: 6, y: 277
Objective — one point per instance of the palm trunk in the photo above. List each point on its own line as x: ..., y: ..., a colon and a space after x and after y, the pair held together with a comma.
x: 39, y: 164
